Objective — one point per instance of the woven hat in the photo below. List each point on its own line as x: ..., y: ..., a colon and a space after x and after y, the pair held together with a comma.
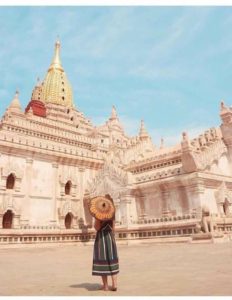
x: 101, y: 208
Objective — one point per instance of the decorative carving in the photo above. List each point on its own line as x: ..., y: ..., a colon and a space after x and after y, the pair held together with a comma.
x: 224, y: 200
x: 8, y: 203
x: 68, y: 207
x: 64, y: 178
x: 12, y: 168
x: 203, y: 151
x: 110, y: 180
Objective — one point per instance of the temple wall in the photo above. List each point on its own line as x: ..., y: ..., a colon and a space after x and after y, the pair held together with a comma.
x: 41, y: 187
x: 42, y: 179
x: 39, y: 190
x: 153, y: 204
x: 40, y: 211
x: 178, y: 201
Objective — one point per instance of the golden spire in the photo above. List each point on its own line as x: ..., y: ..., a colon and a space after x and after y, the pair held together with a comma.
x: 56, y: 87
x: 56, y: 62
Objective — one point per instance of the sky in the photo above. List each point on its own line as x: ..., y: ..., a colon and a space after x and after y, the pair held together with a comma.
x: 170, y: 66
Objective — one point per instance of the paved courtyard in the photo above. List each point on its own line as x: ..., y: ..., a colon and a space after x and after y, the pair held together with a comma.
x: 149, y: 269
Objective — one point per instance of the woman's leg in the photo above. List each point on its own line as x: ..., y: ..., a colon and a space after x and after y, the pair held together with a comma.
x: 105, y: 283
x: 114, y: 282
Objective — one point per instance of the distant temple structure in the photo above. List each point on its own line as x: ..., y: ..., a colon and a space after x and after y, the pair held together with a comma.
x: 53, y: 160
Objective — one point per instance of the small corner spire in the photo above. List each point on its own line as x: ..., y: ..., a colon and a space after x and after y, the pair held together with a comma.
x: 15, y: 103
x: 38, y: 82
x: 222, y: 105
x: 143, y: 132
x: 113, y: 113
x: 161, y: 143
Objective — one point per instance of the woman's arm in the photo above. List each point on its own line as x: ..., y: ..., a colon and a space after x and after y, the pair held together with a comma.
x: 113, y: 225
x: 97, y: 224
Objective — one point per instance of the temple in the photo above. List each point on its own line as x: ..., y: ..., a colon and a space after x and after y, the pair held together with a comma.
x: 53, y: 160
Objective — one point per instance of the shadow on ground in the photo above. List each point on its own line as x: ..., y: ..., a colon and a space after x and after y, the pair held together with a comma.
x: 87, y: 286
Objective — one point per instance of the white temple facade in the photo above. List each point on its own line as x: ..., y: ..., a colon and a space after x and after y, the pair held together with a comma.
x: 53, y: 160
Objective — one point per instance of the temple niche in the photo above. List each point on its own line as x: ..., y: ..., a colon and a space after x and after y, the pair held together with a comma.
x: 53, y: 160
x: 223, y: 198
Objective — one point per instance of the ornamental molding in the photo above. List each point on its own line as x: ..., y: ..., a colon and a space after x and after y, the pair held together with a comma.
x: 8, y: 203
x: 13, y: 168
x: 16, y: 170
x: 68, y: 176
x: 206, y: 156
x: 68, y: 207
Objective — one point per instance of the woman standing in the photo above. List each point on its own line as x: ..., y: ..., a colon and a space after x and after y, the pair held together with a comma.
x: 105, y: 257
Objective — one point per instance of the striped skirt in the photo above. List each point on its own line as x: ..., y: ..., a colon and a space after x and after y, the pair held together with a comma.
x: 105, y: 257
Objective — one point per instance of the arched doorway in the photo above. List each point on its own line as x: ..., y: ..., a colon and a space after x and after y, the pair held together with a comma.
x: 7, y: 220
x: 10, y: 182
x: 68, y: 221
x: 67, y: 188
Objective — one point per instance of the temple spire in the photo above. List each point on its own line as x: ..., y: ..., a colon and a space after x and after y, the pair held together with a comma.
x: 56, y: 62
x: 143, y: 132
x: 38, y: 82
x: 161, y: 143
x: 113, y: 113
x: 15, y: 103
x: 55, y: 87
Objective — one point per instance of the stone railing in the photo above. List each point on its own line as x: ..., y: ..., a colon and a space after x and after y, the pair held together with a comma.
x: 168, y: 231
x: 166, y: 219
x: 37, y: 235
x: 225, y: 226
x: 156, y: 233
x: 121, y: 235
x: 42, y: 238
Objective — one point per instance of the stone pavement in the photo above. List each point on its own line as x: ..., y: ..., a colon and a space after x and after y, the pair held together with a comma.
x: 148, y: 269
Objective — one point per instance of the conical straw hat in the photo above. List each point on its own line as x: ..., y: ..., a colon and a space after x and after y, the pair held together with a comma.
x: 101, y: 208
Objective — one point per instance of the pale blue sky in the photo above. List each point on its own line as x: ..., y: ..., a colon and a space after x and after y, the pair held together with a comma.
x: 170, y: 66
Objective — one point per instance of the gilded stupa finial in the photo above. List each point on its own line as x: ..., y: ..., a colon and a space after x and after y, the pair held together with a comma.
x: 56, y: 62
x: 55, y: 88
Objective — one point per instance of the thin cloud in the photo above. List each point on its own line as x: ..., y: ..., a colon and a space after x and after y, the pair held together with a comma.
x: 153, y: 63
